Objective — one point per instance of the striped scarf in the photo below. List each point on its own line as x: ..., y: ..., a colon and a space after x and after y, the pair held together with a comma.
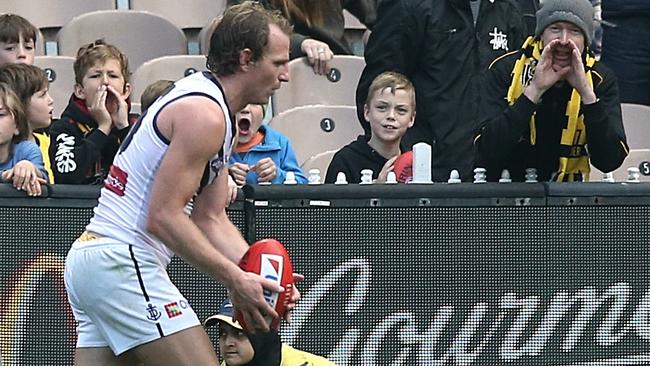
x: 574, y: 161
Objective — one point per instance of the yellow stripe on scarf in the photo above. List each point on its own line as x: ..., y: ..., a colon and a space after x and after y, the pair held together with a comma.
x: 575, y: 165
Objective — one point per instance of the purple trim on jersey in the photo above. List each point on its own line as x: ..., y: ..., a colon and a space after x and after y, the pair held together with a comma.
x: 155, y: 118
x: 233, y: 122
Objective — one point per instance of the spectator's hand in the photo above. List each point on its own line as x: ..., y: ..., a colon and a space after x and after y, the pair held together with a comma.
x: 388, y: 166
x: 295, y: 296
x: 99, y: 112
x: 577, y: 78
x: 24, y: 176
x: 547, y: 73
x: 238, y: 172
x: 265, y: 169
x: 118, y: 108
x: 247, y: 297
x: 232, y: 190
x: 318, y: 55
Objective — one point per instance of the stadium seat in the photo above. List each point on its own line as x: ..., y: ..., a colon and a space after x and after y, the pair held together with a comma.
x: 40, y: 44
x: 636, y: 120
x: 338, y: 87
x: 61, y: 75
x: 205, y: 34
x: 166, y: 67
x: 142, y: 36
x: 638, y: 158
x: 53, y: 14
x: 320, y: 161
x: 316, y: 129
x: 354, y: 33
x: 185, y: 14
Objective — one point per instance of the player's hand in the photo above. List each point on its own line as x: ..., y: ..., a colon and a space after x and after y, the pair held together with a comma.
x: 577, y: 76
x: 247, y: 297
x: 295, y: 296
x: 24, y: 176
x: 318, y: 55
x: 547, y: 72
x: 117, y: 107
x: 97, y: 110
x: 265, y: 169
x: 238, y: 172
x: 388, y: 166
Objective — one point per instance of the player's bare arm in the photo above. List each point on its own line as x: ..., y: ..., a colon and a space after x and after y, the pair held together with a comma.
x: 177, y: 180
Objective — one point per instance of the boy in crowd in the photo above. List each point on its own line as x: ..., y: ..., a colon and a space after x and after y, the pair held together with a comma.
x: 390, y: 111
x: 96, y: 120
x: 20, y: 160
x: 240, y: 348
x: 261, y: 154
x: 17, y: 40
x: 32, y: 87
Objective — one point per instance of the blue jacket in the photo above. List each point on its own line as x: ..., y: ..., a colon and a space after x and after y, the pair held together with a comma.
x: 277, y: 147
x: 25, y: 150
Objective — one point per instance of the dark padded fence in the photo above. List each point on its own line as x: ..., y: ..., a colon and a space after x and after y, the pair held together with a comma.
x: 518, y: 274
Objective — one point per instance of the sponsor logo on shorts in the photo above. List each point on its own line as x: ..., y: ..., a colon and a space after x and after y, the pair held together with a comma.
x: 173, y: 310
x: 183, y: 304
x: 154, y: 314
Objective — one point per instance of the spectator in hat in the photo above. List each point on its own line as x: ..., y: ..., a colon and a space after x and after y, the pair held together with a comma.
x: 550, y: 105
x: 240, y: 348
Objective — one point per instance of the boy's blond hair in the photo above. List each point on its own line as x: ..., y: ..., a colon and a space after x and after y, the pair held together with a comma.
x: 394, y: 81
x: 13, y: 26
x: 10, y: 102
x: 99, y: 52
x: 152, y: 92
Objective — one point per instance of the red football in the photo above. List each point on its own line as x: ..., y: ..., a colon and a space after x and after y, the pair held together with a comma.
x: 403, y: 167
x: 269, y: 259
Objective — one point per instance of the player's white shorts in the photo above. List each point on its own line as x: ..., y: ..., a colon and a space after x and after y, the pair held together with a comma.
x: 121, y: 296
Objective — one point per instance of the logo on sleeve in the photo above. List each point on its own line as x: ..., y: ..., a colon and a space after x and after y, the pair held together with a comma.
x: 116, y: 180
x: 65, y: 154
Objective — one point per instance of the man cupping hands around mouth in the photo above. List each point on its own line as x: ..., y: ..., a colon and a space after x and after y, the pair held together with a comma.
x: 564, y: 34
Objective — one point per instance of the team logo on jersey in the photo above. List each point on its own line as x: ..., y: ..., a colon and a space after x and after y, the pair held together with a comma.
x: 499, y: 40
x: 216, y: 165
x: 116, y: 180
x: 154, y: 314
x: 173, y: 310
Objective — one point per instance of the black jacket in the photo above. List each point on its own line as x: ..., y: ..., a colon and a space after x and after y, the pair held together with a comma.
x: 79, y: 152
x: 352, y: 159
x: 503, y: 141
x: 436, y: 45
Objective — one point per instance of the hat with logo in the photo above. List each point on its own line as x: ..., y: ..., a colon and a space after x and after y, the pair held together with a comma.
x: 578, y: 12
x: 226, y: 314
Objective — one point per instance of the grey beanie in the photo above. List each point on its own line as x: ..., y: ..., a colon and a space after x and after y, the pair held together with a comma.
x: 578, y: 12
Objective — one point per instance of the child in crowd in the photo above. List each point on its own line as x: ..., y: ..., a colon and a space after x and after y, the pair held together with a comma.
x: 152, y: 92
x: 21, y: 163
x: 17, y: 40
x: 32, y: 87
x: 96, y: 120
x: 262, y: 154
x: 239, y: 348
x: 390, y: 110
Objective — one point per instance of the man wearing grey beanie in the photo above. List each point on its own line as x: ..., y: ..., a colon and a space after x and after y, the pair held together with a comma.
x: 550, y: 105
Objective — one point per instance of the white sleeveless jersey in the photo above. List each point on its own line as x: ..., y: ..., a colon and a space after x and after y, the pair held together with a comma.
x: 124, y: 201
